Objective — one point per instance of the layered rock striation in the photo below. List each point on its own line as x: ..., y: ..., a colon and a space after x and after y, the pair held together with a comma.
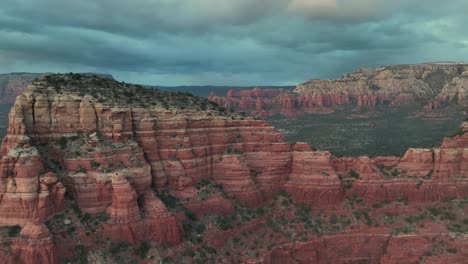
x: 120, y: 150
x: 435, y: 84
x: 374, y: 247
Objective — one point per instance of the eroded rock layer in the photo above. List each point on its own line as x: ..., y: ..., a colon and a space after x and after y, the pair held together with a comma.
x: 437, y: 84
x: 135, y: 155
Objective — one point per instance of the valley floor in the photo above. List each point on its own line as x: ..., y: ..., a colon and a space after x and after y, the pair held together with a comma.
x: 380, y: 132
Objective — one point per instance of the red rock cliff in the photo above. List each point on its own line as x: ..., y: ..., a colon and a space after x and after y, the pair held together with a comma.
x: 436, y: 83
x: 117, y: 154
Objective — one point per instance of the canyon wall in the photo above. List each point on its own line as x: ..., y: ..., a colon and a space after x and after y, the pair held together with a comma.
x: 118, y: 155
x: 435, y: 85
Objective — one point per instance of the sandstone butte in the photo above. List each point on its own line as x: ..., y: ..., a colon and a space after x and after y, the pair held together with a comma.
x: 115, y: 150
x: 434, y: 84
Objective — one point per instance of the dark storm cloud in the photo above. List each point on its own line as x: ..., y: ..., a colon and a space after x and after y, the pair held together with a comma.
x: 230, y: 42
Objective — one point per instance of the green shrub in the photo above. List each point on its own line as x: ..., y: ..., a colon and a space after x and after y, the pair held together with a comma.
x: 117, y: 248
x: 260, y: 211
x: 140, y: 200
x: 171, y: 202
x: 85, y: 218
x: 63, y: 142
x: 282, y: 193
x: 190, y: 215
x: 333, y: 219
x: 188, y: 252
x: 362, y: 213
x: 452, y: 250
x: 404, y: 229
x: 203, y: 183
x: 13, y: 231
x: 224, y: 222
x: 429, y: 174
x: 354, y: 174
x: 434, y: 211
x: 167, y: 259
x: 200, y: 228
x: 81, y: 254
x: 142, y: 250
x: 82, y: 169
x: 74, y: 138
x: 380, y: 204
x: 95, y: 164
x: 233, y: 151
x: 188, y: 227
x: 419, y: 184
x: 102, y: 217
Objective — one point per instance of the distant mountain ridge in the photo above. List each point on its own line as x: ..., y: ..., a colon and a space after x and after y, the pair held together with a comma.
x: 434, y: 84
x: 206, y: 90
x: 13, y: 84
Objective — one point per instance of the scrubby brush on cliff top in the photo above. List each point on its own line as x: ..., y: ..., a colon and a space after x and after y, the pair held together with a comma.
x: 120, y: 94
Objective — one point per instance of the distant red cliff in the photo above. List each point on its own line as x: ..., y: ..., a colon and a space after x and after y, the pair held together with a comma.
x: 438, y: 84
x: 12, y: 85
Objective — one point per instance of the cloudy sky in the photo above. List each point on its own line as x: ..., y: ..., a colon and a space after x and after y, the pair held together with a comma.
x: 228, y: 42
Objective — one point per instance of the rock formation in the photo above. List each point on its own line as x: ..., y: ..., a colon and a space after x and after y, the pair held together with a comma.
x: 363, y: 248
x: 13, y: 84
x: 437, y: 84
x: 137, y: 156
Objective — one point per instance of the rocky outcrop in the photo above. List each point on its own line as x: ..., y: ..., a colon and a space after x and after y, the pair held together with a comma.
x: 448, y: 161
x: 340, y: 249
x: 25, y: 193
x: 421, y: 175
x: 124, y: 206
x: 111, y: 152
x: 171, y: 150
x: 377, y: 246
x: 34, y: 245
x: 438, y: 84
x: 455, y: 91
x: 257, y: 101
x: 313, y: 178
x: 158, y: 224
x: 122, y: 156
